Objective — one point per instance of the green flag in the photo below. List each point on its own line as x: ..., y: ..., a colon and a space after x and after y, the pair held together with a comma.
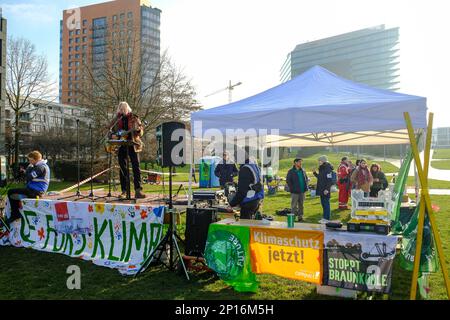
x: 428, y: 260
x: 228, y: 254
x: 398, y: 191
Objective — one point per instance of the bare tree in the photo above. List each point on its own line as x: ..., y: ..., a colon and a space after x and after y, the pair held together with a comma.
x: 27, y: 79
x: 155, y: 89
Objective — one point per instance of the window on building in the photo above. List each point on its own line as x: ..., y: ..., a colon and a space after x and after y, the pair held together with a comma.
x: 70, y: 64
x: 77, y: 48
x: 84, y: 31
x: 70, y: 33
x: 114, y: 18
x: 69, y: 100
x: 130, y: 15
x: 84, y: 47
x: 70, y: 41
x: 70, y: 71
x: 70, y: 49
x: 122, y: 16
x: 84, y: 23
x: 77, y: 40
x: 84, y: 39
x: 77, y: 56
x: 78, y: 31
x: 70, y: 56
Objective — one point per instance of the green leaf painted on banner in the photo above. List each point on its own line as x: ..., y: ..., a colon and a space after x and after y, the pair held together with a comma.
x: 227, y: 252
x: 428, y: 260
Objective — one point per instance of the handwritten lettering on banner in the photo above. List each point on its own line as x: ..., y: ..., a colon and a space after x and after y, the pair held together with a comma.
x: 115, y: 236
x: 290, y: 253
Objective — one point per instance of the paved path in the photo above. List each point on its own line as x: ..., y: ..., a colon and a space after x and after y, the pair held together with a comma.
x: 436, y: 192
x: 432, y: 172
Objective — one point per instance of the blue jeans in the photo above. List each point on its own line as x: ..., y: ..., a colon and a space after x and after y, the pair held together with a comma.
x: 325, y: 202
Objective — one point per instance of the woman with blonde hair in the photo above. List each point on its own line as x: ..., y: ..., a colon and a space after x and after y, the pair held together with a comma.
x: 127, y: 126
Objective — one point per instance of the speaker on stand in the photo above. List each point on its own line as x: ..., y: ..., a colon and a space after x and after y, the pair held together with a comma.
x: 171, y: 145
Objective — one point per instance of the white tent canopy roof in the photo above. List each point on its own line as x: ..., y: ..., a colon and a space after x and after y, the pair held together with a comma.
x: 319, y: 108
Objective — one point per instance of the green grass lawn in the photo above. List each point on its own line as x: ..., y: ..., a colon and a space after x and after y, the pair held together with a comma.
x: 432, y: 183
x: 441, y: 154
x: 30, y: 274
x: 441, y: 164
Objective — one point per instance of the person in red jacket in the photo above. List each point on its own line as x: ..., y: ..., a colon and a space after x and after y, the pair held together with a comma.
x: 344, y: 183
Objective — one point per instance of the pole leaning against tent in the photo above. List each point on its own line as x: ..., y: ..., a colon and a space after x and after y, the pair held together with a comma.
x: 421, y: 220
x: 426, y: 196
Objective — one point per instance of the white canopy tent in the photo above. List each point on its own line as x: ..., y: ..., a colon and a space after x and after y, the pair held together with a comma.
x: 318, y: 108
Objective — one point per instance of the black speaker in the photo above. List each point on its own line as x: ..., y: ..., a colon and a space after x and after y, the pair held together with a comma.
x: 197, y: 224
x: 171, y: 144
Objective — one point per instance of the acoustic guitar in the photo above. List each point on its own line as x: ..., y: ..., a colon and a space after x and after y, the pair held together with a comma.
x: 113, y: 145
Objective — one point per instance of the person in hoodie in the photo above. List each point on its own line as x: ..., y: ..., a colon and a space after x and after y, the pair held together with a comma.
x: 324, y: 183
x: 37, y: 181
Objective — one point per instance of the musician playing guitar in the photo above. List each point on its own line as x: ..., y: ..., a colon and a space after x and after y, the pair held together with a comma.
x: 127, y: 125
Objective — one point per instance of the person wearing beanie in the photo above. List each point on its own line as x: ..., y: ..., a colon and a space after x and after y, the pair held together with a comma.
x: 324, y: 183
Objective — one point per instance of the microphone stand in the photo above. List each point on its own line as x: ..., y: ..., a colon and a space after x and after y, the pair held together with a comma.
x: 78, y: 193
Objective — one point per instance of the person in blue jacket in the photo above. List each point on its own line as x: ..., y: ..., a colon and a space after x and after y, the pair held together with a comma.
x: 225, y: 170
x: 324, y: 184
x: 250, y: 190
x: 37, y: 181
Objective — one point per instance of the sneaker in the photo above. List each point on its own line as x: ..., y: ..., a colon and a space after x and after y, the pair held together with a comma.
x: 323, y: 221
x: 299, y: 219
x: 123, y: 195
x: 139, y: 194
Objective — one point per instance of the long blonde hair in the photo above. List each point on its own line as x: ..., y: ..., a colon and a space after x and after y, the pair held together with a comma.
x: 126, y: 105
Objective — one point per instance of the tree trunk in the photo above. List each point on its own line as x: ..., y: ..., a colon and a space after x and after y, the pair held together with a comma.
x: 16, y: 143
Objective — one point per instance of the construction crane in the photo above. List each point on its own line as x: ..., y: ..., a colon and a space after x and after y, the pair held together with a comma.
x: 230, y: 89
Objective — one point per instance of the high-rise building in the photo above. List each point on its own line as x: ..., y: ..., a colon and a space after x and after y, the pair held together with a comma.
x: 2, y: 82
x: 441, y: 137
x: 90, y: 35
x: 369, y: 56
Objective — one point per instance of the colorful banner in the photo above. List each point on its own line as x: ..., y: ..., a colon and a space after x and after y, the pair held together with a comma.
x: 110, y: 235
x: 290, y: 253
x: 227, y: 253
x: 359, y: 261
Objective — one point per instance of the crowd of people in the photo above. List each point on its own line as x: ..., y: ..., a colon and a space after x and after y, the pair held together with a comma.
x: 348, y: 176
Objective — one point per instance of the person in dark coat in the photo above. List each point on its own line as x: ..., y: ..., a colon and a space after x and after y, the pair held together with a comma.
x: 226, y: 170
x: 297, y: 181
x: 324, y: 183
x: 379, y: 180
x: 250, y: 190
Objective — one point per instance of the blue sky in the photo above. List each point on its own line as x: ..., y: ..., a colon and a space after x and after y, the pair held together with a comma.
x: 247, y: 40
